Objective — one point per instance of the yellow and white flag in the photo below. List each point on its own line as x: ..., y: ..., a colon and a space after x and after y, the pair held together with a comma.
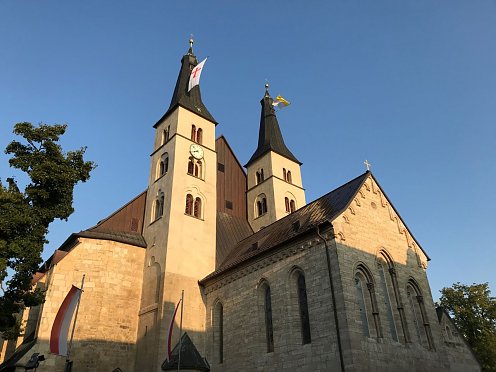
x: 194, y: 78
x: 280, y: 102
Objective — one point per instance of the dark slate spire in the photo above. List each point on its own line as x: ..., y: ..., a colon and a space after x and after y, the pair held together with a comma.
x: 270, y: 136
x: 189, y: 100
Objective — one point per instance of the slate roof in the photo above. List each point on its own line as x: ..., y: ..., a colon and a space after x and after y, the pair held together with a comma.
x: 190, y: 357
x: 269, y: 135
x: 303, y: 220
x: 191, y: 100
x: 230, y: 231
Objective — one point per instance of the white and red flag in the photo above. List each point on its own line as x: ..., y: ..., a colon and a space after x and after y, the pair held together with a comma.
x: 194, y: 78
x: 169, y: 333
x: 60, y: 328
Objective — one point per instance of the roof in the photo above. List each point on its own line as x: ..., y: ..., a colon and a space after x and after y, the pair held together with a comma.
x: 10, y: 363
x: 297, y: 223
x: 269, y: 135
x: 191, y: 100
x: 190, y: 357
x: 230, y: 231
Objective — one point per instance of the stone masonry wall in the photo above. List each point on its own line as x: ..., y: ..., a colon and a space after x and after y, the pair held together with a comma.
x: 245, y: 347
x: 105, y: 333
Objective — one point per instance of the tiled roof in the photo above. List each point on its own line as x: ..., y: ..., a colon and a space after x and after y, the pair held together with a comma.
x: 303, y: 220
x: 269, y: 135
x: 131, y: 238
x: 230, y: 231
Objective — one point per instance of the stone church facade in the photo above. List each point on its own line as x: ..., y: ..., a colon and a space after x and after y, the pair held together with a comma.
x: 271, y: 283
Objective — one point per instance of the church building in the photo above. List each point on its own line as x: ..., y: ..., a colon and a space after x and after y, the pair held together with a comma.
x: 271, y: 282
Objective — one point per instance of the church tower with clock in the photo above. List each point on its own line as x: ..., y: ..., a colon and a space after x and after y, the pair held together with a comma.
x: 180, y: 218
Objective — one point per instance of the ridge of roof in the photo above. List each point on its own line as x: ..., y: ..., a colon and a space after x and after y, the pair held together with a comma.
x: 323, y: 209
x: 232, y: 151
x: 270, y: 136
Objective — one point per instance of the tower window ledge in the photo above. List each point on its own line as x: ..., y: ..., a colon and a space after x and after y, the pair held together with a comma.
x: 196, y: 218
x: 163, y: 175
x: 263, y: 214
x: 198, y: 178
x: 155, y: 220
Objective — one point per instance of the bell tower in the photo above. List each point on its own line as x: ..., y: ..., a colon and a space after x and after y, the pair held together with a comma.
x: 180, y: 221
x: 274, y: 178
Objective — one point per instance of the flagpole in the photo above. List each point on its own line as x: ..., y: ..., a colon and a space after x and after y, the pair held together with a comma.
x: 67, y: 359
x: 180, y: 332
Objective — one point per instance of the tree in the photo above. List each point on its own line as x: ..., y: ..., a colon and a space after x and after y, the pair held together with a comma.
x: 26, y: 215
x: 474, y: 313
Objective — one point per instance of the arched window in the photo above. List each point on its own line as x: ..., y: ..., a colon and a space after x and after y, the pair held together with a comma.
x: 159, y: 206
x: 189, y: 204
x: 367, y: 303
x: 292, y: 206
x: 193, y: 133
x: 266, y: 302
x: 261, y: 205
x: 284, y: 174
x: 191, y: 166
x: 199, y: 136
x: 303, y: 306
x: 161, y: 169
x: 288, y: 177
x: 165, y: 135
x: 449, y: 334
x: 286, y: 203
x: 385, y: 297
x: 362, y: 310
x: 418, y: 314
x: 218, y: 326
x: 260, y: 176
x: 197, y: 208
x: 163, y: 166
x: 195, y: 167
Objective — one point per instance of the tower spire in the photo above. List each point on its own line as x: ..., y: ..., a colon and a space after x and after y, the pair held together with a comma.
x: 190, y: 100
x: 270, y: 136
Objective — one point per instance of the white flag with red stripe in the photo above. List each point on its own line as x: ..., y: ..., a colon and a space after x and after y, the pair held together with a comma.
x: 169, y: 333
x: 194, y: 77
x: 60, y: 328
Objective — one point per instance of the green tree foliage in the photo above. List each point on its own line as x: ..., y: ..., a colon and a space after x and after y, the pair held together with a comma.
x: 26, y: 215
x: 474, y: 313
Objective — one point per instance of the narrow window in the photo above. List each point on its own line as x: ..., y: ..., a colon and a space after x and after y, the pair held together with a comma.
x: 286, y: 202
x: 269, y: 332
x: 304, y: 315
x: 161, y: 171
x: 284, y: 174
x: 362, y: 311
x: 191, y: 166
x: 157, y: 209
x: 288, y: 177
x: 264, y: 205
x: 261, y: 175
x: 259, y: 208
x: 415, y: 316
x: 197, y: 208
x: 193, y: 133
x: 199, y: 135
x: 219, y: 332
x: 164, y: 137
x: 166, y: 164
x: 259, y: 178
x: 198, y: 169
x: 159, y: 206
x: 189, y: 204
x: 292, y: 206
x: 387, y: 302
x: 167, y: 134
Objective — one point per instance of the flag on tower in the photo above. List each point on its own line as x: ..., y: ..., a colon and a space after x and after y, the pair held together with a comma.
x: 280, y: 102
x: 169, y: 333
x: 60, y: 328
x: 194, y: 77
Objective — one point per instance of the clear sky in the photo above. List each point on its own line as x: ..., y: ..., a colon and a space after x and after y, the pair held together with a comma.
x: 408, y: 85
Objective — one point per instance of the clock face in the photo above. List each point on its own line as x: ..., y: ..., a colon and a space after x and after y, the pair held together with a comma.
x: 196, y: 151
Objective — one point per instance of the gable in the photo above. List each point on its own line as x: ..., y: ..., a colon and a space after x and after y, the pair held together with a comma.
x: 370, y: 223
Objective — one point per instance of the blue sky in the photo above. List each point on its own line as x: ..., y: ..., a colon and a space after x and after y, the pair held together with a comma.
x: 408, y: 85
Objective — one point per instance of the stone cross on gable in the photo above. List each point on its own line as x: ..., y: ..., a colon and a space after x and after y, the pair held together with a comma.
x: 367, y: 164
